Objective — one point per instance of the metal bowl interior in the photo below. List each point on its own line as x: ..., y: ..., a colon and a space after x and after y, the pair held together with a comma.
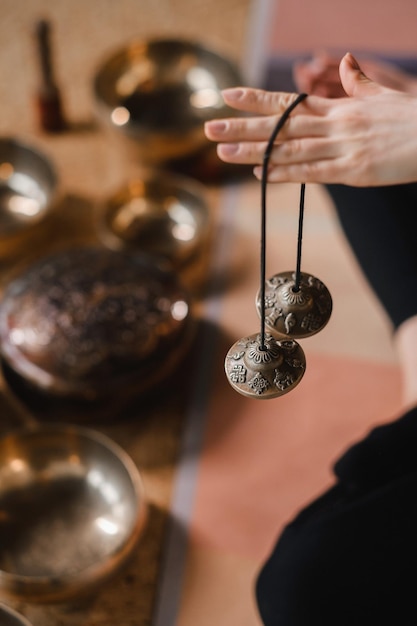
x: 160, y: 93
x: 72, y: 511
x: 158, y: 214
x: 28, y: 185
x: 9, y: 617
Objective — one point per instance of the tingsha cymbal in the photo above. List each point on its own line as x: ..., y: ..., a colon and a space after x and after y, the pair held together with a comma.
x: 295, y: 312
x: 264, y: 372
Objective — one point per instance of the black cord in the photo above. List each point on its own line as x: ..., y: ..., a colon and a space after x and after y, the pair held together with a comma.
x: 299, y: 238
x: 266, y: 158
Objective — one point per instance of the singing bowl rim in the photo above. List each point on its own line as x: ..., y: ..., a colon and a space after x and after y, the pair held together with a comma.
x: 14, y: 146
x: 135, y: 47
x: 63, y: 587
x: 17, y: 619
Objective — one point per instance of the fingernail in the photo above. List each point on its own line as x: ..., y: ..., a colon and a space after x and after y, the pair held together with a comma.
x: 233, y: 94
x: 353, y: 62
x: 228, y: 149
x: 216, y: 127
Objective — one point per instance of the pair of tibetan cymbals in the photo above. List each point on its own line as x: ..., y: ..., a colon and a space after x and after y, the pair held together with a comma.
x: 268, y: 365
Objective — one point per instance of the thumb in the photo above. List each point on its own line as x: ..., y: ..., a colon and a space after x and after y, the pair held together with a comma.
x: 354, y: 81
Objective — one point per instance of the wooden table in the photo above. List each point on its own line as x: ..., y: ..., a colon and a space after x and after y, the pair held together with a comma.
x: 90, y: 168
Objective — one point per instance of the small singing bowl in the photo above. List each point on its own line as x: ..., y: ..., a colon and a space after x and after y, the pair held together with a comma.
x: 159, y: 93
x: 159, y: 214
x: 28, y: 189
x: 72, y: 511
x: 9, y: 617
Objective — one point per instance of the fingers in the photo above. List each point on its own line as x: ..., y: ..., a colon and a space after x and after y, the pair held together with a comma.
x: 319, y: 76
x: 324, y: 171
x: 240, y: 129
x: 304, y: 77
x: 292, y: 151
x: 261, y: 128
x: 354, y: 81
x: 259, y: 101
x: 269, y: 107
x: 304, y: 150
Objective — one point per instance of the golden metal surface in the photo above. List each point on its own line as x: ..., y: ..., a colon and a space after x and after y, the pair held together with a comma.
x: 158, y: 213
x: 264, y: 372
x: 28, y: 191
x: 72, y: 511
x: 159, y: 93
x: 295, y: 313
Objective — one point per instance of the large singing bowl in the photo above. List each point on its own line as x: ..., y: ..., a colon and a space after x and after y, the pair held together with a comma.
x: 95, y: 324
x: 72, y: 510
x: 158, y: 94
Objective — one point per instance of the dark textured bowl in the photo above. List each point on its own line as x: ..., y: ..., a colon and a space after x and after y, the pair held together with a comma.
x: 92, y: 323
x: 159, y: 93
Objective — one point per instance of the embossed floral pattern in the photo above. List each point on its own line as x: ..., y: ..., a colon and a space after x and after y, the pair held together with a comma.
x: 258, y: 384
x: 299, y: 298
x: 257, y: 355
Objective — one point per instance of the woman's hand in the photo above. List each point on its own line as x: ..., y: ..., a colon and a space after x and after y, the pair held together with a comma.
x: 320, y: 76
x: 368, y: 138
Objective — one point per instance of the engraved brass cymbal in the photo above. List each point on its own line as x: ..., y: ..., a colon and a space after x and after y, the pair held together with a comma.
x: 295, y: 313
x: 264, y: 373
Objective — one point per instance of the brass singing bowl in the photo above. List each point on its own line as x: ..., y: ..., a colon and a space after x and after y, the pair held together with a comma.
x: 158, y: 213
x: 159, y: 93
x: 28, y: 190
x: 72, y: 510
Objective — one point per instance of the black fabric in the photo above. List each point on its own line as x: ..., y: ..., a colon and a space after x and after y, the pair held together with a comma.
x: 380, y: 224
x: 350, y: 557
x: 388, y: 453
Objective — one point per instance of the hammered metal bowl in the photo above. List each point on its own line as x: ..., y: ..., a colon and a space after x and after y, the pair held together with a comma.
x: 93, y: 323
x: 28, y: 190
x: 159, y: 93
x: 159, y: 214
x: 72, y: 510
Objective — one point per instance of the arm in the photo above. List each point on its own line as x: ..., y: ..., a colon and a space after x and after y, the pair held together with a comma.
x: 368, y: 138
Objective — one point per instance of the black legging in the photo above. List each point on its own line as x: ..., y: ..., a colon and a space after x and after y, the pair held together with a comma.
x: 380, y: 224
x: 350, y: 557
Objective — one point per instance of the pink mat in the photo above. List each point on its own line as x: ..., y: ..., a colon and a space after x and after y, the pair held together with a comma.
x: 387, y: 26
